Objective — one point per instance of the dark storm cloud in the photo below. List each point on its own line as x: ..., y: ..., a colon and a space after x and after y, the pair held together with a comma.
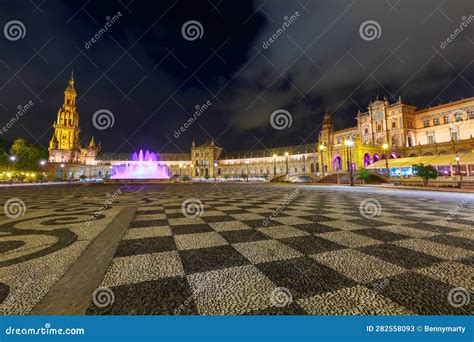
x: 152, y: 79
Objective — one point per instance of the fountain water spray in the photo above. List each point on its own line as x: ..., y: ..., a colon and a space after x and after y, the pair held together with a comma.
x: 144, y: 165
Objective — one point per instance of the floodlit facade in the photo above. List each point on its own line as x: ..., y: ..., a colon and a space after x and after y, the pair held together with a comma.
x: 386, y: 130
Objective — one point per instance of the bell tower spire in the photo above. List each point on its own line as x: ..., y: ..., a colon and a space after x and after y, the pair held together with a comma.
x: 65, y: 146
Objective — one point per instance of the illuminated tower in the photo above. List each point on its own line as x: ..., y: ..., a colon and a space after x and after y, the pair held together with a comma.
x: 64, y: 146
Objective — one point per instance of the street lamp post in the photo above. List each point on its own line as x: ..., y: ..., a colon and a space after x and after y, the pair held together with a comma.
x: 215, y: 171
x: 385, y: 148
x: 459, y: 172
x: 349, y: 144
x: 286, y: 155
x: 12, y: 159
x: 248, y: 162
x: 42, y: 164
x: 274, y: 165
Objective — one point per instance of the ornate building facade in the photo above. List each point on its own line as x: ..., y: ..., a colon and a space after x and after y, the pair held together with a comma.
x: 385, y: 130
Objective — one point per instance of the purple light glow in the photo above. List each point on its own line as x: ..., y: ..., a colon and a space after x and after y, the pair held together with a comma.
x: 143, y: 166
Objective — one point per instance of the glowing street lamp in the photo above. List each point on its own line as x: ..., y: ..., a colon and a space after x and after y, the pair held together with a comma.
x: 42, y: 162
x: 385, y: 147
x: 215, y: 171
x: 349, y: 144
x: 457, y: 158
x: 12, y: 158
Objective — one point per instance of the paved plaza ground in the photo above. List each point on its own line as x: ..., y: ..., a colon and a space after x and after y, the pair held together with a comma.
x: 216, y: 249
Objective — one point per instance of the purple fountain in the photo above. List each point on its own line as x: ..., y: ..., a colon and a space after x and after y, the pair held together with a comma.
x: 142, y: 166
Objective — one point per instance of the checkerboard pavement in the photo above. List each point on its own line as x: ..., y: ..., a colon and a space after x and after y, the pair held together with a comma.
x: 332, y: 260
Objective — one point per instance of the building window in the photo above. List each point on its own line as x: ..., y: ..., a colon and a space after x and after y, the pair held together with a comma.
x: 470, y: 113
x: 426, y: 123
x: 379, y: 128
x: 446, y: 119
x: 458, y: 117
x: 454, y: 135
x: 338, y: 140
x: 436, y: 121
x: 394, y: 124
x: 431, y: 138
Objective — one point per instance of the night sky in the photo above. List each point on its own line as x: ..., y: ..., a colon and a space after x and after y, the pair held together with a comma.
x: 151, y: 78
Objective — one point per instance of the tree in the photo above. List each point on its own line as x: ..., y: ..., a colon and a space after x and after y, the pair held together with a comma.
x: 27, y: 156
x: 207, y: 177
x: 363, y: 174
x: 425, y: 172
x: 226, y: 177
x: 82, y: 177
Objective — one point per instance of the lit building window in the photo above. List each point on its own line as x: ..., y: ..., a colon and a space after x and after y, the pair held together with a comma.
x: 431, y: 138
